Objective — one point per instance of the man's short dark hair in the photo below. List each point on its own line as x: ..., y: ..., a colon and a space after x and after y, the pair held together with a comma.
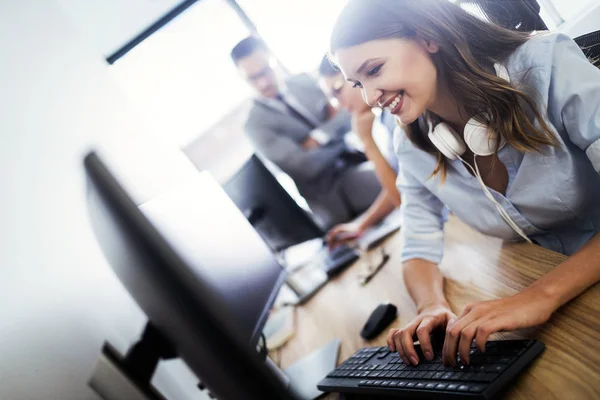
x: 327, y: 68
x: 246, y: 47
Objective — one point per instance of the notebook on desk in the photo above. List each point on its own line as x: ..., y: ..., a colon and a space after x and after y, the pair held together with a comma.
x: 377, y: 233
x: 310, y: 265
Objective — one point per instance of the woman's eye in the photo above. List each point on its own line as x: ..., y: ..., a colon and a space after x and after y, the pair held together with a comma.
x: 374, y: 71
x: 357, y: 85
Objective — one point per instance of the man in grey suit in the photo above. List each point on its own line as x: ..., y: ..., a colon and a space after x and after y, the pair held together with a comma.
x: 293, y: 125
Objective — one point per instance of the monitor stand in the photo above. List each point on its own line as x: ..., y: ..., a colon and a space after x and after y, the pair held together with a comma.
x: 128, y: 378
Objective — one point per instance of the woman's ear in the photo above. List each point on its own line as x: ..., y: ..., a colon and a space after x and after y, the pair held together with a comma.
x: 429, y: 45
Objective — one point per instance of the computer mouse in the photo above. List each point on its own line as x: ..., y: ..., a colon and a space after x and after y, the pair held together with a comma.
x: 379, y: 319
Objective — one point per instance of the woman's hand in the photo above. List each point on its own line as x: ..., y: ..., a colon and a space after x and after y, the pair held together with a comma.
x: 362, y: 125
x: 429, y: 319
x: 479, y: 320
x: 344, y: 233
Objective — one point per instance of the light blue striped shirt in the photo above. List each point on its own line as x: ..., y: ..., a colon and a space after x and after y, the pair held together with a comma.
x: 554, y: 197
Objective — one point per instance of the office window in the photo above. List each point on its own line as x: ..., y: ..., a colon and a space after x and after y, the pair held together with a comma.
x: 296, y: 31
x: 182, y: 74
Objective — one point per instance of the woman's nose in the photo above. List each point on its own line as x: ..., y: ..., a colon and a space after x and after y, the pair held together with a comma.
x: 371, y: 96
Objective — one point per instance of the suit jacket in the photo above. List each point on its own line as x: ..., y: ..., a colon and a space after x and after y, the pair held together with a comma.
x: 277, y: 135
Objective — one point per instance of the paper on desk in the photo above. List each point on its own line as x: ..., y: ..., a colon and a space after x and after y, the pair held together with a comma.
x: 300, y: 254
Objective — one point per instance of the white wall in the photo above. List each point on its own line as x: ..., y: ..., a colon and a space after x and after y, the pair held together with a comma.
x: 58, y: 298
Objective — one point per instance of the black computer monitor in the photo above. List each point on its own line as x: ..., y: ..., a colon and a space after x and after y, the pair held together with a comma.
x: 276, y: 216
x: 206, y: 291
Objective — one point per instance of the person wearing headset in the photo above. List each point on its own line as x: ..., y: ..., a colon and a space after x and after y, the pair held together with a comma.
x: 501, y: 127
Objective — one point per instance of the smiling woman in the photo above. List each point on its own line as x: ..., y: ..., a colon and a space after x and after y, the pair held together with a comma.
x: 535, y: 153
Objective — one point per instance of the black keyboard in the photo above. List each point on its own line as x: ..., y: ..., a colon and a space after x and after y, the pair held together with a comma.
x: 336, y: 260
x: 377, y: 371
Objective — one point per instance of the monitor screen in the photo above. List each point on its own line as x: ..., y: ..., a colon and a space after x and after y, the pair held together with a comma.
x: 204, y: 226
x: 276, y: 216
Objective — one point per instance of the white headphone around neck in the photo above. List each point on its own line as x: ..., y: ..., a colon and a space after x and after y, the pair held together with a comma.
x: 479, y: 140
x: 476, y: 135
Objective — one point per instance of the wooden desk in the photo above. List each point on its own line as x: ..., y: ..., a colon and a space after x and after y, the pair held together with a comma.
x: 477, y: 268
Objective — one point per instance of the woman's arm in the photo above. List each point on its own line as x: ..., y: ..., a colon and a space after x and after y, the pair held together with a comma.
x: 573, y: 276
x: 424, y: 282
x: 346, y: 232
x: 362, y: 124
x: 532, y: 306
x: 425, y: 285
x: 385, y: 173
x: 422, y: 230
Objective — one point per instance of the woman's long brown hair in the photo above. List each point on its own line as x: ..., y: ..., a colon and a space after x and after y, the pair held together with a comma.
x: 468, y: 49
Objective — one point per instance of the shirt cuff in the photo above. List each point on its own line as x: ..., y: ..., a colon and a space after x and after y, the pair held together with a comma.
x: 593, y: 153
x: 427, y: 246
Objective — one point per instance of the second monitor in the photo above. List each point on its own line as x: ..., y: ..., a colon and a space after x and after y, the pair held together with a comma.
x: 275, y: 215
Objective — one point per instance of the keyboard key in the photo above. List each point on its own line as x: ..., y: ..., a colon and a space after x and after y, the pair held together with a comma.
x: 494, y: 368
x: 411, y: 384
x: 430, y: 375
x: 452, y: 386
x: 402, y: 383
x: 448, y: 376
x: 420, y: 385
x: 503, y: 360
x: 438, y: 375
x: 464, y: 388
x: 458, y: 376
x: 477, y: 388
x: 490, y: 377
x: 430, y: 385
x: 441, y: 386
x: 383, y: 354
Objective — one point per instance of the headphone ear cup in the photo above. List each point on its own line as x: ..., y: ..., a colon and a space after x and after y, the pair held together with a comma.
x: 447, y: 141
x: 480, y: 139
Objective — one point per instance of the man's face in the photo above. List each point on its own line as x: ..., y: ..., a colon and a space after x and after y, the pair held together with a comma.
x: 256, y: 69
